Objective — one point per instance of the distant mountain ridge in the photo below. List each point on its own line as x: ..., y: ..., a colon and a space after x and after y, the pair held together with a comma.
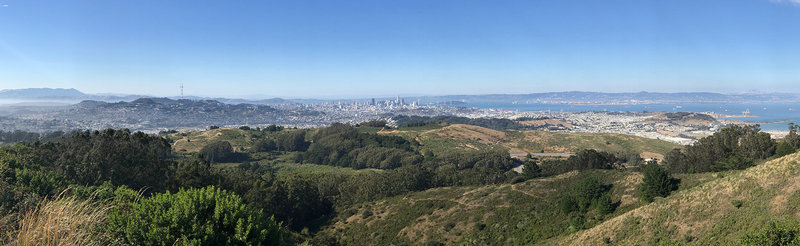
x: 41, y: 93
x: 568, y: 97
x: 582, y: 97
x: 61, y: 94
x: 71, y: 94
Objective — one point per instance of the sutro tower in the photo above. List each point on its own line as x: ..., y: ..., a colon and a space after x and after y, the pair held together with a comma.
x: 181, y: 90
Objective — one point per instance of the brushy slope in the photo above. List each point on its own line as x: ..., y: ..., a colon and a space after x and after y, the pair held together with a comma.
x: 469, y: 137
x: 720, y: 211
x: 536, y: 141
x: 194, y: 141
x: 508, y: 214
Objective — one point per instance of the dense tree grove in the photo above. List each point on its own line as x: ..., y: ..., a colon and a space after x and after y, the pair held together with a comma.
x: 218, y: 151
x: 583, y: 160
x: 746, y: 143
x: 531, y: 170
x: 587, y: 194
x: 11, y: 137
x: 373, y: 123
x: 136, y: 159
x: 273, y: 128
x: 194, y: 172
x: 342, y: 145
x: 265, y: 145
x: 790, y: 143
x: 492, y: 123
x: 292, y: 141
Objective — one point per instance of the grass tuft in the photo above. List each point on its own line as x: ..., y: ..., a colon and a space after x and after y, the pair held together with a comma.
x: 65, y: 220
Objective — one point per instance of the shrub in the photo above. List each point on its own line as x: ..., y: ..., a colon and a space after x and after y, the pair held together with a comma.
x: 604, y: 204
x: 586, y: 191
x: 775, y: 234
x: 737, y: 203
x: 207, y: 216
x: 576, y: 223
x: 656, y: 182
x: 531, y: 170
x: 784, y: 148
x: 568, y: 205
x: 732, y: 163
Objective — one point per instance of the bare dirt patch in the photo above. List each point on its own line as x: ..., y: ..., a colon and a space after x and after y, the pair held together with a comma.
x: 651, y: 155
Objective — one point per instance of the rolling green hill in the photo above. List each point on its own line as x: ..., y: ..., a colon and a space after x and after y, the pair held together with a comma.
x: 469, y: 137
x: 508, y: 214
x: 194, y: 141
x: 720, y: 211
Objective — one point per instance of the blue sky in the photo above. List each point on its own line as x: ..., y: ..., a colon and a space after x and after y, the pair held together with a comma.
x: 333, y: 49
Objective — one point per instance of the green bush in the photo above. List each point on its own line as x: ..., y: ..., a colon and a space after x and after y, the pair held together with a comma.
x: 531, y: 170
x: 784, y: 148
x: 656, y: 182
x: 737, y: 203
x: 775, y: 234
x: 207, y: 216
x: 568, y: 204
x: 732, y: 163
x: 604, y: 204
x: 586, y: 191
x: 577, y: 223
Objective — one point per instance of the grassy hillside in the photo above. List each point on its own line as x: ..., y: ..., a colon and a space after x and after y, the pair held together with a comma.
x: 469, y: 137
x: 537, y: 141
x: 507, y: 214
x: 720, y: 211
x: 194, y: 141
x: 439, y: 139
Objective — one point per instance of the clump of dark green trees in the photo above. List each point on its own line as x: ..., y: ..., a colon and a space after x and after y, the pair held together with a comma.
x: 734, y: 147
x: 657, y: 182
x: 588, y: 195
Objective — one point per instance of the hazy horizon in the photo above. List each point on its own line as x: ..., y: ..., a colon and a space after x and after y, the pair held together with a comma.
x: 358, y: 97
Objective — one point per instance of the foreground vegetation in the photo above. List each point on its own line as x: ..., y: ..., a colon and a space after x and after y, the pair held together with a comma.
x: 368, y: 184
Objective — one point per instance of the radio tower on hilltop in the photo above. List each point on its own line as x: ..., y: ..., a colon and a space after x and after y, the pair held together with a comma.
x: 181, y: 90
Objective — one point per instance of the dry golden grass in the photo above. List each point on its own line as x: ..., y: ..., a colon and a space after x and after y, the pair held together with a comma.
x: 470, y: 132
x: 65, y: 220
x: 706, y: 210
